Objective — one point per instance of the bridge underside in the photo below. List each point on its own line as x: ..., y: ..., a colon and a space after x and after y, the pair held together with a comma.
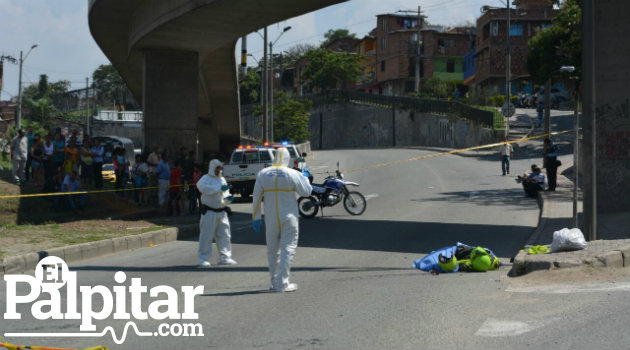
x: 177, y: 57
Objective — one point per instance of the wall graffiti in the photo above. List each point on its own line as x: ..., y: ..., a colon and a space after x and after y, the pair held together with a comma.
x: 613, y: 152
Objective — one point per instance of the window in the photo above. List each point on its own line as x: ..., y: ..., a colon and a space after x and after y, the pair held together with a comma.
x: 494, y: 28
x: 384, y: 24
x: 516, y: 29
x: 382, y: 66
x: 449, y: 43
x: 450, y: 66
x: 383, y: 43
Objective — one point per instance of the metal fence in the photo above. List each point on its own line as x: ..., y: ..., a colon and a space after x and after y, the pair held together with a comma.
x: 434, y: 106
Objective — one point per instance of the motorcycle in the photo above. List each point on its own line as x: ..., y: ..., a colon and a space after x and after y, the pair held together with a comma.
x: 333, y: 191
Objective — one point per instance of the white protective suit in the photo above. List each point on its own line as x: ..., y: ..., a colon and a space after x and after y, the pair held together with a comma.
x: 278, y: 185
x: 214, y: 224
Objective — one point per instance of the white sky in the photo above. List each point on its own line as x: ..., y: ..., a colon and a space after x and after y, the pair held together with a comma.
x: 67, y: 51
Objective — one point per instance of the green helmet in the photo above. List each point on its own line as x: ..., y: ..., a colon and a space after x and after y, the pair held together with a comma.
x: 480, y: 260
x: 447, y: 264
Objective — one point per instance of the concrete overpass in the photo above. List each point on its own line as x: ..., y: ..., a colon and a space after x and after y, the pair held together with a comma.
x: 177, y: 57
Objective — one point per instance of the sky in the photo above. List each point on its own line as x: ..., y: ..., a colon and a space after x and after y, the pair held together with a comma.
x: 67, y: 51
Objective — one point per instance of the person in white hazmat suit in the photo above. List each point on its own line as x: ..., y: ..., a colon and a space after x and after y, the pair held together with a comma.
x: 214, y: 219
x: 278, y: 185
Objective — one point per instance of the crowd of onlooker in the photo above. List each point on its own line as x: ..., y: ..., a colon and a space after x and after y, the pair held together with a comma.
x: 58, y: 163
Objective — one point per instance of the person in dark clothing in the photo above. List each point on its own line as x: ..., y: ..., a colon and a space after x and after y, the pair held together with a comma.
x: 551, y: 163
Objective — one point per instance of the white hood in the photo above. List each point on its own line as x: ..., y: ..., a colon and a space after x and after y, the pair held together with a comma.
x: 212, y: 166
x: 283, y: 157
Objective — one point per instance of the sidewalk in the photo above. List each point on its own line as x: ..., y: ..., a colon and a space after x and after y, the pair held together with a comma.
x: 611, y: 250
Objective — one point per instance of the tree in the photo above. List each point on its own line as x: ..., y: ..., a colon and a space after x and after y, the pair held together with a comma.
x: 249, y: 86
x: 42, y: 87
x: 296, y: 52
x: 558, y: 45
x: 334, y: 34
x: 438, y: 88
x: 291, y: 120
x: 330, y: 70
x: 109, y: 83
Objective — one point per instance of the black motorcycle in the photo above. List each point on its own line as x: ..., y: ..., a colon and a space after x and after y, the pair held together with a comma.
x: 331, y: 192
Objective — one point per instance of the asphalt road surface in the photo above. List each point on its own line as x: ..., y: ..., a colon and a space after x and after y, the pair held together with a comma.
x: 357, y: 289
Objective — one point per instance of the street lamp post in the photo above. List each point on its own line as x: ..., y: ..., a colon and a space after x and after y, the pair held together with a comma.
x: 571, y: 69
x: 18, y: 121
x: 508, y: 61
x: 270, y: 93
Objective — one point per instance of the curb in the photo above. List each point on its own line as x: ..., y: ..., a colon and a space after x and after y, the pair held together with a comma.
x: 26, y: 263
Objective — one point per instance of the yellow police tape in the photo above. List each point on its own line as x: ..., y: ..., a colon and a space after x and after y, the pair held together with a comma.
x: 375, y: 166
x: 380, y: 165
x: 19, y: 347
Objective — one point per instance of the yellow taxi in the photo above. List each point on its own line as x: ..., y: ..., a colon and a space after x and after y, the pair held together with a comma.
x: 108, y: 173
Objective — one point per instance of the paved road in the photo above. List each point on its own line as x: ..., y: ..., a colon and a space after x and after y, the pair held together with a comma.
x: 356, y: 287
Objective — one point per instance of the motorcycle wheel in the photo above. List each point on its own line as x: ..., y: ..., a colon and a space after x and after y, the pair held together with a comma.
x: 355, y: 203
x: 307, y: 207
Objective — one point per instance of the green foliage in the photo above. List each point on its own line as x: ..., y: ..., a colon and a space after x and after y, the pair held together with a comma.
x: 334, y: 34
x: 249, y: 87
x: 330, y: 70
x: 435, y: 87
x: 291, y: 120
x: 296, y: 52
x: 496, y: 101
x: 558, y: 45
x: 109, y: 83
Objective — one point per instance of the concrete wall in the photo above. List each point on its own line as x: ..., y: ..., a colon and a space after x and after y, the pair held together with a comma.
x: 357, y: 126
x: 171, y: 99
x: 606, y: 52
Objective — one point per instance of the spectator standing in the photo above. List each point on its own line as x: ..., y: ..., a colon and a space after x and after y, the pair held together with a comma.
x: 195, y: 196
x: 121, y: 167
x: 30, y: 137
x: 550, y: 153
x: 49, y: 162
x: 152, y: 162
x: 540, y: 108
x: 175, y: 191
x: 163, y: 174
x: 97, y: 163
x: 139, y: 174
x: 19, y: 154
x: 59, y: 150
x: 37, y: 161
x: 73, y: 151
x: 506, y: 153
x: 86, y: 163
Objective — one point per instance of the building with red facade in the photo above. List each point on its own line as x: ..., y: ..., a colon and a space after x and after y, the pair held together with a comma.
x: 526, y: 20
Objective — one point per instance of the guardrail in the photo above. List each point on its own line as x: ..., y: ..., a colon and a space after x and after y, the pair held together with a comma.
x: 121, y: 116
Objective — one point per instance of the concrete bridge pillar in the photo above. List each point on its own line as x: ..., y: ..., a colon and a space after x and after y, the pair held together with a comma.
x: 171, y: 111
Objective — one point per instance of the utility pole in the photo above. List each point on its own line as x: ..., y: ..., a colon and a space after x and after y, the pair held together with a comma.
x: 87, y: 106
x: 266, y: 91
x: 508, y: 61
x: 416, y: 88
x: 18, y: 117
x: 418, y: 52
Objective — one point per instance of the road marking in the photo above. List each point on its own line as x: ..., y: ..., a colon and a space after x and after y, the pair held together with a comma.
x: 493, y: 327
x: 370, y: 196
x: 570, y: 289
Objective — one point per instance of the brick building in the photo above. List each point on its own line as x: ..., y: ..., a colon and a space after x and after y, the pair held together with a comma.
x: 367, y: 82
x: 396, y: 39
x: 527, y: 19
x: 443, y: 52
